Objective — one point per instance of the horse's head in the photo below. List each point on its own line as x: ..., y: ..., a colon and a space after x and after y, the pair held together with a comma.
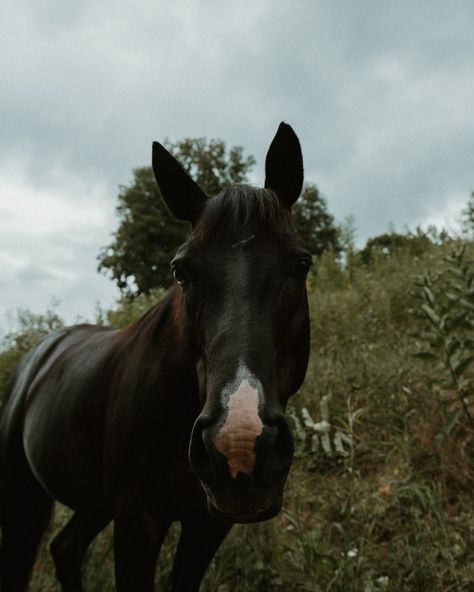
x: 242, y: 275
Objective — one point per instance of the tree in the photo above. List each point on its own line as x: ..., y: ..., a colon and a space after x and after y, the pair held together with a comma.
x: 468, y: 217
x: 17, y: 343
x: 147, y: 237
x: 391, y: 242
x: 209, y: 164
x: 314, y: 223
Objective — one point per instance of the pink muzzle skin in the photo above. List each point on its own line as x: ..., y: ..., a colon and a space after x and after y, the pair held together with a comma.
x: 237, y: 437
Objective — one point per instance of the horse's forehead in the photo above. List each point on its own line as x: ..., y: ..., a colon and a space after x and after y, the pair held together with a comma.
x: 248, y: 259
x: 244, y: 241
x: 230, y: 243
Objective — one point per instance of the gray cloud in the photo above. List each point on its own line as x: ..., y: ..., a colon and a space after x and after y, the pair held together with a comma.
x: 381, y: 96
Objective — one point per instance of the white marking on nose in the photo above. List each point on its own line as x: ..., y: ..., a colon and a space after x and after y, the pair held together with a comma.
x: 237, y: 436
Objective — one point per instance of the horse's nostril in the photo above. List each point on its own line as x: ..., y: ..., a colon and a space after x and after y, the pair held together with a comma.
x: 277, y: 433
x: 199, y: 456
x: 275, y: 450
x: 284, y: 443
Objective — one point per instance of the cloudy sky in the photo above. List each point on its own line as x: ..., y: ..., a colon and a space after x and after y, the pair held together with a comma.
x: 381, y: 95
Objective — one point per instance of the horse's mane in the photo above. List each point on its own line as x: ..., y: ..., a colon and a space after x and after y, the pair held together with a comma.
x: 154, y: 322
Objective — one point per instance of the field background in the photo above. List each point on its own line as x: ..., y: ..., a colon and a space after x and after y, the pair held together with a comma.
x: 380, y: 496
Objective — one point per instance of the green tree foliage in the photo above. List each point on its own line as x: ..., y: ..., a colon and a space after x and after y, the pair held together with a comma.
x: 148, y: 235
x: 314, y: 223
x: 138, y: 258
x: 210, y: 164
x: 468, y: 217
x: 15, y: 344
x: 389, y: 243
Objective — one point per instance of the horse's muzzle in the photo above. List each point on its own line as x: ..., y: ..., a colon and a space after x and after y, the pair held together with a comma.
x: 244, y: 481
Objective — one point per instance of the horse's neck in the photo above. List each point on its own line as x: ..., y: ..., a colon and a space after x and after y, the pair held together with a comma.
x: 157, y: 344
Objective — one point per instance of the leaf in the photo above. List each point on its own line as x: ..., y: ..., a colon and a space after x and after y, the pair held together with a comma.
x: 322, y: 427
x: 463, y: 365
x: 429, y: 295
x: 466, y: 303
x: 425, y: 355
x: 451, y: 421
x: 466, y: 385
x: 454, y: 271
x: 324, y: 407
x: 446, y: 383
x: 458, y: 321
x: 442, y: 323
x: 451, y: 258
x: 457, y: 286
x: 326, y: 443
x: 430, y: 313
x: 453, y: 346
x: 433, y: 338
x: 308, y: 421
x: 446, y: 404
x: 416, y: 313
x: 339, y: 440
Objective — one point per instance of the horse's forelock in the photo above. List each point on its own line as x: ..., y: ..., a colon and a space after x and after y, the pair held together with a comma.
x: 240, y: 208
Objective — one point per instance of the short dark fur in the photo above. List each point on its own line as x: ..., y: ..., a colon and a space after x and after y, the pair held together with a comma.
x: 120, y: 424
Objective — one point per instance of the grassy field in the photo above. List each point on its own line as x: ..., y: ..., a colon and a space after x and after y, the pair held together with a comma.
x: 380, y: 496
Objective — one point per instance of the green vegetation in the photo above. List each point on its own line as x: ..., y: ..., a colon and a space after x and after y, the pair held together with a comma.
x: 315, y: 225
x: 30, y: 329
x: 380, y: 494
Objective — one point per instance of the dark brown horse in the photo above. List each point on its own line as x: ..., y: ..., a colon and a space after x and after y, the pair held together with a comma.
x: 179, y: 416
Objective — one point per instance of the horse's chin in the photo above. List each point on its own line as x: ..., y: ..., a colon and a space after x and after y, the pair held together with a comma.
x: 244, y: 517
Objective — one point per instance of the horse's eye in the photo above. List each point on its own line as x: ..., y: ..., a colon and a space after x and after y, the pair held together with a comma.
x: 303, y: 266
x: 181, y: 276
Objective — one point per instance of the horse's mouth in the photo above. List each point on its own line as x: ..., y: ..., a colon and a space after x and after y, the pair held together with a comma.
x: 244, y: 517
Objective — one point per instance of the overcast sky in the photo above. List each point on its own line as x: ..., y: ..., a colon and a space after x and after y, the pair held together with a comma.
x: 381, y: 95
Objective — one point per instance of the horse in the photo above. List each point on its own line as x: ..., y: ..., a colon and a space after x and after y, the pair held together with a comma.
x: 179, y: 416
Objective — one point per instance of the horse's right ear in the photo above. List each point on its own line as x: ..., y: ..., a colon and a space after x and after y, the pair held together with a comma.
x: 184, y: 198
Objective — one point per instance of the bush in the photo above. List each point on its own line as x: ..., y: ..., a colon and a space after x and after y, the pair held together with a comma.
x: 30, y: 329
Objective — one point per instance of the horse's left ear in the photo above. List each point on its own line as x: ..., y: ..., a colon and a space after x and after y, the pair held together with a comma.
x: 284, y: 165
x: 184, y: 198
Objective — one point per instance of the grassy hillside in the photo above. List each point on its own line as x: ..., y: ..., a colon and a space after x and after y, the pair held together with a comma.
x: 380, y: 494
